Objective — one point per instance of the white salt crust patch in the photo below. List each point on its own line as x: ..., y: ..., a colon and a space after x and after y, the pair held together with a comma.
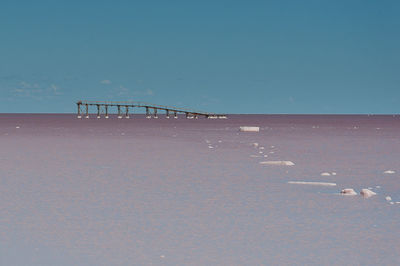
x: 283, y: 163
x: 249, y: 129
x: 312, y: 183
x: 389, y: 172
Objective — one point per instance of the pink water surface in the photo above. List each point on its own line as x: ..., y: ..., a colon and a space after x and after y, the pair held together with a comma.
x: 192, y: 192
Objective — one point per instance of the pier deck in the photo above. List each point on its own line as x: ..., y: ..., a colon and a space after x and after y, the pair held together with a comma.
x: 152, y: 110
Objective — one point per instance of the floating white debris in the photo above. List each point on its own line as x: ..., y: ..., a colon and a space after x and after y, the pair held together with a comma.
x: 272, y: 147
x: 325, y: 174
x: 348, y: 191
x: 334, y: 173
x: 391, y: 202
x: 366, y: 193
x: 261, y: 148
x: 17, y: 127
x: 219, y: 141
x: 255, y: 144
x: 249, y: 129
x: 260, y: 152
x: 265, y: 156
x: 287, y: 163
x: 210, y: 147
x: 312, y: 183
x: 397, y: 202
x: 389, y: 172
x: 388, y: 198
x: 378, y: 186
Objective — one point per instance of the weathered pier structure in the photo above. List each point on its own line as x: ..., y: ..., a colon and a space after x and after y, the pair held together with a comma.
x: 123, y: 109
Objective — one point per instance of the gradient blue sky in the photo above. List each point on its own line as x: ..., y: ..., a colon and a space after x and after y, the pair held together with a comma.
x: 219, y: 56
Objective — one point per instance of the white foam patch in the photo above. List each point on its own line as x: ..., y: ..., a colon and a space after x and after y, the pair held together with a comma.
x: 334, y: 173
x: 285, y: 163
x: 312, y: 183
x: 325, y: 174
x: 388, y: 198
x: 249, y: 129
x: 17, y: 127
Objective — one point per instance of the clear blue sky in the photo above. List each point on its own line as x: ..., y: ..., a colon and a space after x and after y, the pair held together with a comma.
x: 219, y: 56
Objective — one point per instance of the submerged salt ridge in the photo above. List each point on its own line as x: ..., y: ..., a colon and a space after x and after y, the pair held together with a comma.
x: 139, y: 191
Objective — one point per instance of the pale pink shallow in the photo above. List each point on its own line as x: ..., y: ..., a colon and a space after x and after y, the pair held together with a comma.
x: 139, y: 191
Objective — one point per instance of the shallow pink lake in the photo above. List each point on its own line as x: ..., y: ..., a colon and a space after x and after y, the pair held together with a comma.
x: 193, y: 192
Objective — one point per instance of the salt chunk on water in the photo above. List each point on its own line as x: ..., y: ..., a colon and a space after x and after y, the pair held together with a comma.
x: 348, y: 191
x: 366, y: 193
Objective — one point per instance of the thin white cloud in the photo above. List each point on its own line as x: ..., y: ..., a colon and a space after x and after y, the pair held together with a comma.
x: 129, y: 94
x: 149, y: 92
x: 35, y: 91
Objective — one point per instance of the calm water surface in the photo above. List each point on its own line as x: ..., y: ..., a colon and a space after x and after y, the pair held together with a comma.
x: 193, y: 192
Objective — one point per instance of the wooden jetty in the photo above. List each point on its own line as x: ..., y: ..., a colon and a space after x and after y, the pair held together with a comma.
x: 125, y: 108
